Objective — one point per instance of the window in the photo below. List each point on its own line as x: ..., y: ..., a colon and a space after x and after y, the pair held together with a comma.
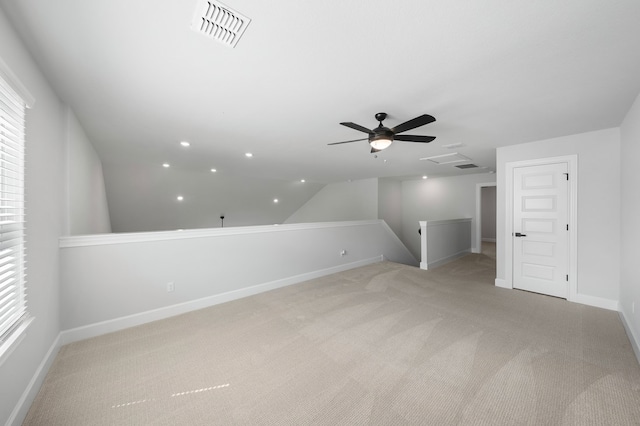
x: 13, y: 306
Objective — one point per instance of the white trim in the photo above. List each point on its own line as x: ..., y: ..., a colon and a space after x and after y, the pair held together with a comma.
x: 142, y: 237
x: 635, y: 341
x: 15, y: 83
x: 97, y: 329
x: 14, y: 340
x: 24, y: 403
x: 598, y: 302
x: 499, y: 282
x: 477, y: 226
x: 445, y: 221
x: 572, y: 164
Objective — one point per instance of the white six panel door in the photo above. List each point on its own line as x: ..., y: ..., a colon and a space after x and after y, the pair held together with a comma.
x: 540, y: 229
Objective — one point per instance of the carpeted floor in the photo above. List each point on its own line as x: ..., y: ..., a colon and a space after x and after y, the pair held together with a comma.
x: 385, y: 344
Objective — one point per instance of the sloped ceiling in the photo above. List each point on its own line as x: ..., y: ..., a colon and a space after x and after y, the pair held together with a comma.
x: 493, y: 73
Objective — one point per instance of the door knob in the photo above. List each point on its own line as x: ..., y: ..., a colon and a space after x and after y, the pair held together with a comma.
x: 517, y: 234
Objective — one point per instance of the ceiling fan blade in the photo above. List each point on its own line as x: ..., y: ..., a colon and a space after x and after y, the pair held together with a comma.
x: 412, y: 124
x: 357, y: 127
x: 414, y: 138
x: 355, y: 140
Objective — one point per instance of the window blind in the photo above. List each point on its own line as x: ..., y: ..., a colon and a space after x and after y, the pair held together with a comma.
x: 12, y: 212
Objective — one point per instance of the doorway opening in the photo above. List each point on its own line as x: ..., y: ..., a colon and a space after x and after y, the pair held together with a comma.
x: 485, y: 226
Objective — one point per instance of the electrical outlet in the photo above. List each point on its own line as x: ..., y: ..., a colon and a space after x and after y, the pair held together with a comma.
x: 170, y: 287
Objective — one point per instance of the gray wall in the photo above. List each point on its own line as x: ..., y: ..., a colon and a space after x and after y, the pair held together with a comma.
x: 598, y: 205
x: 630, y: 226
x: 44, y: 186
x: 142, y: 198
x: 353, y: 200
x: 88, y: 210
x: 116, y: 276
x: 390, y: 203
x: 401, y: 204
x: 437, y: 199
x: 65, y: 193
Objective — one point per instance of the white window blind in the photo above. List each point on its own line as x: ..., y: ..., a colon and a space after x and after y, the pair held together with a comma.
x: 13, y: 313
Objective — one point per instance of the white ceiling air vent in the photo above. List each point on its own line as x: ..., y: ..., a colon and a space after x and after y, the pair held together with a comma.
x: 215, y: 20
x: 454, y: 157
x: 453, y: 145
x: 466, y: 166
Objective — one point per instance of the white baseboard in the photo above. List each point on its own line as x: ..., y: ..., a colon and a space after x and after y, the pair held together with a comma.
x: 502, y: 283
x: 583, y: 299
x: 598, y: 302
x: 635, y: 341
x: 104, y: 327
x: 440, y: 262
x: 24, y: 403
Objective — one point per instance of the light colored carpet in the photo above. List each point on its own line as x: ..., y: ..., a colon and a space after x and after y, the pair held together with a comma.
x: 385, y: 344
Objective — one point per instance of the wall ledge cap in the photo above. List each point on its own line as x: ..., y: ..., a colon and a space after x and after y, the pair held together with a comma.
x: 142, y: 237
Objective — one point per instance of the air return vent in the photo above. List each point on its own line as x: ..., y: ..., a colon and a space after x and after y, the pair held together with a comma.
x: 447, y: 158
x: 217, y: 21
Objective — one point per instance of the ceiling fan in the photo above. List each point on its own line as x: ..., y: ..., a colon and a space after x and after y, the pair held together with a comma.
x: 381, y: 137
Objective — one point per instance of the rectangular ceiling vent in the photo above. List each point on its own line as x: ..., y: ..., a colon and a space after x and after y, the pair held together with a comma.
x: 453, y: 145
x: 466, y: 166
x: 215, y: 20
x: 454, y: 157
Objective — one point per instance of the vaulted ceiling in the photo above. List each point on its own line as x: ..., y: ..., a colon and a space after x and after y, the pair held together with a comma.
x: 492, y: 73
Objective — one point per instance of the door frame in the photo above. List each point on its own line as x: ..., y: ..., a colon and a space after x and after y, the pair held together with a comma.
x: 572, y: 165
x: 478, y: 219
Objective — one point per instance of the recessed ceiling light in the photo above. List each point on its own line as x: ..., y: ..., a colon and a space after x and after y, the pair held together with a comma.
x: 424, y: 177
x: 166, y: 165
x: 248, y: 155
x: 185, y: 143
x: 302, y: 180
x: 179, y: 198
x: 213, y: 170
x: 275, y: 200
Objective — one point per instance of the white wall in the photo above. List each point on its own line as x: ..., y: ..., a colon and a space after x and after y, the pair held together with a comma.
x: 107, y: 278
x: 598, y: 205
x: 630, y: 224
x: 354, y: 200
x: 45, y: 179
x: 488, y: 212
x: 390, y: 203
x: 88, y: 210
x: 438, y: 199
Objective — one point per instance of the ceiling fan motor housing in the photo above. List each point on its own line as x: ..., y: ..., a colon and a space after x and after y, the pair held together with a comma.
x: 381, y: 132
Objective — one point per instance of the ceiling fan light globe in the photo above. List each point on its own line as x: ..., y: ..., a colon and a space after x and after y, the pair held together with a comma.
x: 380, y: 143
